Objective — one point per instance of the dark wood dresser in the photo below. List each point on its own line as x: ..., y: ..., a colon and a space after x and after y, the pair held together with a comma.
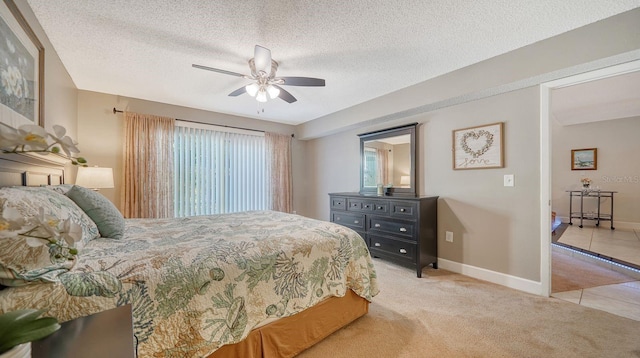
x: 398, y: 229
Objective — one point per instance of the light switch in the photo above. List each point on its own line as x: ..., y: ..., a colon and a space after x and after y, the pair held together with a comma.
x: 508, y: 180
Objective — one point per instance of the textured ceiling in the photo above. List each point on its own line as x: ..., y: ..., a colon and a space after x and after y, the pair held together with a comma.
x: 363, y: 48
x: 610, y: 98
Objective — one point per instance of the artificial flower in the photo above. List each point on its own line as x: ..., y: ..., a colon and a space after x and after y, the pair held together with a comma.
x: 67, y: 144
x: 11, y: 223
x: 33, y: 138
x: 60, y: 235
x: 71, y: 232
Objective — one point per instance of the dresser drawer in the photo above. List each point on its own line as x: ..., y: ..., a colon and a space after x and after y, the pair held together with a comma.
x: 352, y: 220
x: 338, y: 203
x: 398, y: 248
x: 392, y: 226
x: 404, y: 210
x: 360, y: 205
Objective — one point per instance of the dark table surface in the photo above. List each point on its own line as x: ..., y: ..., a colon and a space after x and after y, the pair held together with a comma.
x: 106, y: 334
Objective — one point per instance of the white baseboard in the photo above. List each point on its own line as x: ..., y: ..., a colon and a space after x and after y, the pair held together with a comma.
x: 624, y: 225
x: 502, y: 279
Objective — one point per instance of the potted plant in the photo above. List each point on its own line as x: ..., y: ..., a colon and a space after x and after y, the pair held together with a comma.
x: 19, y: 328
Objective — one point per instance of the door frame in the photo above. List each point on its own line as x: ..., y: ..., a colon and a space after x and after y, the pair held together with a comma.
x: 545, y: 157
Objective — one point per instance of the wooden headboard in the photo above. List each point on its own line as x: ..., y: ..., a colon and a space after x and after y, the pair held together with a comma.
x: 31, y: 169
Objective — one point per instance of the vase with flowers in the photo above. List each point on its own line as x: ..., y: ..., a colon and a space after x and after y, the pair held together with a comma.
x: 586, y: 183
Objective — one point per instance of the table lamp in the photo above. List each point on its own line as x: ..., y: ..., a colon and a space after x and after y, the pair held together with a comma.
x: 95, y: 178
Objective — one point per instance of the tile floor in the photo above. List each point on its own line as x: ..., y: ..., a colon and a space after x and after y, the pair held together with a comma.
x: 619, y: 243
x: 621, y: 299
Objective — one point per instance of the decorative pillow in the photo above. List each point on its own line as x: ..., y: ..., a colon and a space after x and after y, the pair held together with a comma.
x: 20, y: 263
x: 62, y: 188
x: 107, y: 217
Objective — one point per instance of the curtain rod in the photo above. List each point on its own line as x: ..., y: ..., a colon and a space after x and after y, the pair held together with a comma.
x: 115, y: 111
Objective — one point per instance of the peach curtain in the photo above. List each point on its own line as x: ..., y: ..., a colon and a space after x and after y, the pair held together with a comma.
x: 148, y: 166
x: 279, y: 187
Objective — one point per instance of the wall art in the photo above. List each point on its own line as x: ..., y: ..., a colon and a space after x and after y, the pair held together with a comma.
x: 584, y: 159
x: 21, y: 70
x: 478, y: 147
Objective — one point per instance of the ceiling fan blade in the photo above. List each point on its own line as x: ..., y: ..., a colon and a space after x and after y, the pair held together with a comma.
x: 302, y: 81
x: 262, y: 58
x: 218, y: 70
x: 286, y: 96
x: 238, y: 92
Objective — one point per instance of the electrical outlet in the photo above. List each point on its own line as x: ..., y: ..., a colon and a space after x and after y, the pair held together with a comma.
x: 449, y: 236
x: 508, y: 180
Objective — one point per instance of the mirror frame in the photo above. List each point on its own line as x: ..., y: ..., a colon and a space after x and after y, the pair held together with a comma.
x: 409, y: 129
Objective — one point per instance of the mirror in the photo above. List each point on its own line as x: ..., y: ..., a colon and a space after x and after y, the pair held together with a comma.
x: 388, y: 161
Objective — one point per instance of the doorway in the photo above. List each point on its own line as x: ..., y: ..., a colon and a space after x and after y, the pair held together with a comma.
x: 546, y: 160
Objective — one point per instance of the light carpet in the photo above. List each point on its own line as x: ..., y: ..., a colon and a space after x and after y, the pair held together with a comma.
x: 444, y: 314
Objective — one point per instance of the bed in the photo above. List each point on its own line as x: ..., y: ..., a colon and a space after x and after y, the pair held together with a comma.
x: 250, y: 284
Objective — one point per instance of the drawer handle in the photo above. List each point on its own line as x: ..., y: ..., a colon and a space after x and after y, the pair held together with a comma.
x: 356, y: 222
x: 366, y: 206
x: 403, y: 251
x: 402, y: 210
x: 376, y: 225
x: 379, y: 207
x: 337, y: 219
x: 403, y: 229
x: 377, y: 244
x: 339, y: 203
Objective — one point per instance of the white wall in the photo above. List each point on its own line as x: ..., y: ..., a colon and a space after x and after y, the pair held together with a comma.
x: 618, y: 168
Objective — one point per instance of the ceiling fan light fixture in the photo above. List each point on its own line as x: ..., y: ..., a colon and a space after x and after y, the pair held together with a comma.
x: 273, y: 91
x: 261, y: 96
x: 252, y: 89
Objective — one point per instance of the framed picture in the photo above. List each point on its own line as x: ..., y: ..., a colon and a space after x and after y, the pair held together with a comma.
x: 584, y: 159
x: 21, y: 70
x: 478, y: 147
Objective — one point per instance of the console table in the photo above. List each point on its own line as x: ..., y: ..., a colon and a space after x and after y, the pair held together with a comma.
x: 596, y: 194
x: 102, y: 335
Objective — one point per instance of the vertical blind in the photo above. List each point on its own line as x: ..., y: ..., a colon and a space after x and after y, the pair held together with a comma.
x: 218, y: 172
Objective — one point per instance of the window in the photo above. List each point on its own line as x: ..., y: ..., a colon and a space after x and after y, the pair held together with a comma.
x: 370, y: 169
x: 217, y: 171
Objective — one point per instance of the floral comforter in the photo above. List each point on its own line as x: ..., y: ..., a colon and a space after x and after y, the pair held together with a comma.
x: 201, y: 282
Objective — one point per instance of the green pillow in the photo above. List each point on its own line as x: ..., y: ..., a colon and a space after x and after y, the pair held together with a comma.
x: 106, y: 216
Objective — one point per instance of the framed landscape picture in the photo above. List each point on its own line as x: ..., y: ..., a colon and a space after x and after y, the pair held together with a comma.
x: 584, y: 159
x: 21, y: 70
x: 478, y: 147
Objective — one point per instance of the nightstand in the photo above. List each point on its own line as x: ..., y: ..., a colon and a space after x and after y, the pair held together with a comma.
x: 102, y: 335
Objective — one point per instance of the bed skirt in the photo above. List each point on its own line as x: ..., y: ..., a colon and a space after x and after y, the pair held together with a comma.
x: 289, y: 336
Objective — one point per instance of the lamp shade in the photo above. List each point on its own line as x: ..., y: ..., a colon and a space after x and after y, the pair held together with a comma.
x: 95, y: 177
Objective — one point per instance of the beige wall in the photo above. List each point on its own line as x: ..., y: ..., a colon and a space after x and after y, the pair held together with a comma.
x: 401, y: 161
x: 618, y: 167
x: 495, y: 227
x: 101, y: 134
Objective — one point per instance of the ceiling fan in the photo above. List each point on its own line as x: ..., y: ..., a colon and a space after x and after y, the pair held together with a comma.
x: 263, y: 72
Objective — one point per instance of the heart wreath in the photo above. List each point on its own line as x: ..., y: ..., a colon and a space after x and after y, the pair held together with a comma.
x: 477, y: 136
